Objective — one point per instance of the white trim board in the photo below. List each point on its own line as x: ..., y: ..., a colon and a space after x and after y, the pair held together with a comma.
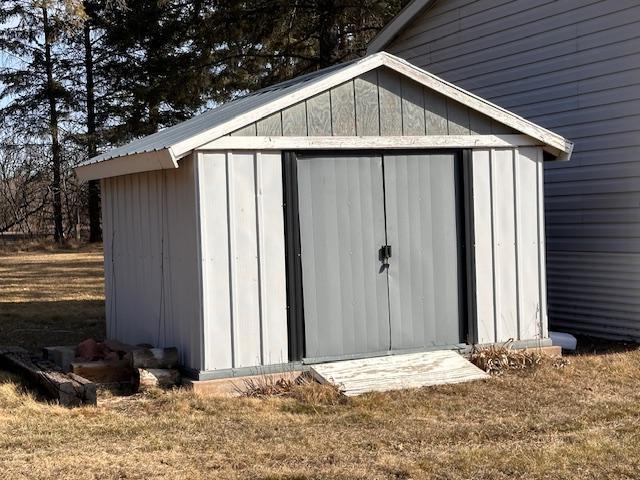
x: 357, y: 143
x: 397, y: 23
x: 139, y: 162
x: 174, y: 147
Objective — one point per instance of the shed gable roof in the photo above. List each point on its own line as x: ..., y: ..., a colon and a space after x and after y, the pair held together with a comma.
x: 163, y: 149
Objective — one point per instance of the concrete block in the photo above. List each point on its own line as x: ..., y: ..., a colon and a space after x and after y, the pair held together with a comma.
x: 62, y: 356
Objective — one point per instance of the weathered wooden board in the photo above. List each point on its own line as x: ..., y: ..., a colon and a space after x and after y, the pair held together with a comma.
x: 343, y: 110
x: 396, y: 372
x: 271, y: 125
x: 367, y: 106
x: 69, y: 390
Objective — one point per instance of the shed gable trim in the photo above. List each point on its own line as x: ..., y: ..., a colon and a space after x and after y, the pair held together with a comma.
x: 377, y: 142
x: 177, y: 145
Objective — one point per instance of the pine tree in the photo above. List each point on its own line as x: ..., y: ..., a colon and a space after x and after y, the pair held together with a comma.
x: 157, y: 75
x: 35, y: 85
x: 273, y: 40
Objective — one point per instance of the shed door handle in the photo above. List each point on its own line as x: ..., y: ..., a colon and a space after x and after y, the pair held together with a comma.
x: 384, y: 254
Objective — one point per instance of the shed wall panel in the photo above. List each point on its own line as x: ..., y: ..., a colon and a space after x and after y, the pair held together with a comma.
x: 508, y: 224
x: 151, y: 275
x: 243, y: 267
x: 573, y: 67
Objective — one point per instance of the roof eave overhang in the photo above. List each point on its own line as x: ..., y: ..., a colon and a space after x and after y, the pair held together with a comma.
x: 125, y: 165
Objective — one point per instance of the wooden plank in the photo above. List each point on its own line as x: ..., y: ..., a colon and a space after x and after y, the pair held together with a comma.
x: 390, y: 92
x: 435, y: 113
x: 67, y: 389
x: 413, y: 114
x: 319, y: 115
x: 394, y: 372
x: 426, y: 141
x: 343, y: 110
x: 367, y: 106
x: 294, y: 120
x: 248, y: 131
x: 458, y: 118
x: 271, y: 125
x: 104, y: 371
x: 498, y: 128
x: 479, y: 124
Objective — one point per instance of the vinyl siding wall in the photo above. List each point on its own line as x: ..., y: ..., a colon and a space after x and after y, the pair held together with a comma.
x: 572, y: 66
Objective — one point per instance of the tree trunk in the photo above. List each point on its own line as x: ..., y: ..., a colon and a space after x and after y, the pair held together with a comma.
x: 95, y: 230
x: 56, y: 151
x: 327, y: 33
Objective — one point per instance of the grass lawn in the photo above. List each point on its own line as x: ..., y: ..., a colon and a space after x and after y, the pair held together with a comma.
x: 577, y: 422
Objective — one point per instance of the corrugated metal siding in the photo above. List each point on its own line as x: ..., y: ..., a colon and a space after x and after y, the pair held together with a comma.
x: 574, y: 67
x: 509, y: 244
x: 381, y: 102
x: 151, y: 260
x: 243, y: 266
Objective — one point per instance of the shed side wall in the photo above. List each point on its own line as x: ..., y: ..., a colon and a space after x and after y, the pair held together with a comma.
x: 509, y: 244
x: 151, y: 263
x: 573, y: 67
x: 243, y: 264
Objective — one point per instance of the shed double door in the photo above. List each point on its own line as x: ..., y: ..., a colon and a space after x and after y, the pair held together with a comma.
x: 356, y: 300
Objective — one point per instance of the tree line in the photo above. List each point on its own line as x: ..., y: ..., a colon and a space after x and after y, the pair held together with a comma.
x: 78, y: 77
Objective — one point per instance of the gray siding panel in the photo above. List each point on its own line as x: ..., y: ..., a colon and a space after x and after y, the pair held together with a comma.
x: 573, y: 67
x: 379, y: 102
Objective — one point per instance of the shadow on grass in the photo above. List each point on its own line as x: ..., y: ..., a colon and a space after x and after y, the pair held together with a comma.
x: 599, y: 346
x: 34, y: 325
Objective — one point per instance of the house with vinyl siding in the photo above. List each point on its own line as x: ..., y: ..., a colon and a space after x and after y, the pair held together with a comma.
x: 572, y: 66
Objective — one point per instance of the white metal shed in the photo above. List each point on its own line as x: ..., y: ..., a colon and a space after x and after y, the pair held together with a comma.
x: 366, y: 209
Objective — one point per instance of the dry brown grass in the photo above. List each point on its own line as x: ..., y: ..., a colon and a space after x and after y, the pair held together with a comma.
x: 301, y: 387
x: 579, y: 422
x: 52, y: 296
x: 499, y: 359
